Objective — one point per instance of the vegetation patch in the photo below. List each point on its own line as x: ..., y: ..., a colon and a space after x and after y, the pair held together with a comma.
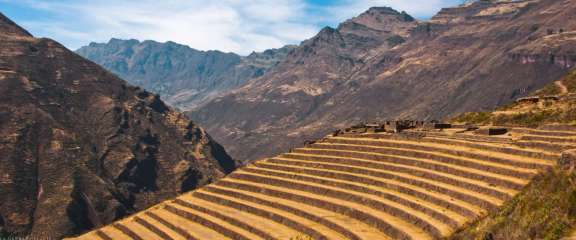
x: 569, y: 81
x: 546, y: 209
x: 566, y: 114
x: 474, y: 118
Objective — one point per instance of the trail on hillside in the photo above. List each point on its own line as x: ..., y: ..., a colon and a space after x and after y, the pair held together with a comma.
x: 561, y: 87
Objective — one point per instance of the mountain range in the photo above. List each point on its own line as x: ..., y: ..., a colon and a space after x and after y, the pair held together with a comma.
x: 183, y: 76
x: 382, y: 64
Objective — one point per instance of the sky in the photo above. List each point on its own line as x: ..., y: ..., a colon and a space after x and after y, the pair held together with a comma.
x: 239, y: 26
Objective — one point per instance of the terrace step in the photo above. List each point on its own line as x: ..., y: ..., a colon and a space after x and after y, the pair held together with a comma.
x: 163, y: 222
x: 326, y: 233
x: 408, y: 222
x: 127, y: 231
x: 545, y: 145
x: 444, y: 201
x: 100, y: 235
x: 161, y: 227
x: 479, y: 187
x: 467, y: 140
x: 541, y: 132
x: 97, y: 234
x: 439, y: 157
x: 408, y: 202
x: 161, y: 233
x: 221, y: 217
x: 388, y: 226
x: 470, y: 137
x: 191, y: 228
x: 327, y: 221
x: 369, y: 227
x: 383, y: 156
x: 207, y: 221
x: 481, y: 200
x: 112, y: 232
x: 475, y: 153
x: 284, y: 218
x: 498, y: 148
x: 221, y: 204
x: 558, y: 127
x: 139, y: 230
x: 553, y: 139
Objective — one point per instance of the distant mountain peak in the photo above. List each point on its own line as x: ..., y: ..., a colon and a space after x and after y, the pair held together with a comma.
x: 121, y: 41
x: 378, y: 18
x: 403, y: 16
x: 383, y: 10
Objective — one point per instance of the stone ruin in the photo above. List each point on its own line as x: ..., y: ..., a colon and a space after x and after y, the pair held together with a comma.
x: 537, y: 99
x: 399, y: 126
x: 395, y: 126
x: 491, y: 131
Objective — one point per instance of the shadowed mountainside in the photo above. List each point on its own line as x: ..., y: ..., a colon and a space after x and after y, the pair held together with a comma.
x: 384, y: 65
x: 185, y: 77
x: 80, y: 148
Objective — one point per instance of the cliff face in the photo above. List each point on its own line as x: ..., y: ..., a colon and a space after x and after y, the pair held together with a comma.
x: 80, y: 148
x: 183, y: 76
x: 385, y: 65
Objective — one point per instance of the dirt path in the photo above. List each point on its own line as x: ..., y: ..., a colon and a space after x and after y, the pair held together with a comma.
x: 561, y: 87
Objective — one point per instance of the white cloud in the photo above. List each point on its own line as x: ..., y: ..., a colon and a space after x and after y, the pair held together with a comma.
x: 239, y: 26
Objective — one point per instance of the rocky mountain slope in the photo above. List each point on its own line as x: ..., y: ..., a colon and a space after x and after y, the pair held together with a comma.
x: 183, y: 76
x: 384, y: 65
x: 80, y: 148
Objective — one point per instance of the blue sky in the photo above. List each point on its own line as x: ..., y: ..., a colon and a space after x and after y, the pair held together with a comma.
x: 240, y: 26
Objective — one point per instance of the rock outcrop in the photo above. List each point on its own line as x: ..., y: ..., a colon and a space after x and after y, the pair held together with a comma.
x: 384, y: 65
x: 183, y: 76
x: 80, y: 148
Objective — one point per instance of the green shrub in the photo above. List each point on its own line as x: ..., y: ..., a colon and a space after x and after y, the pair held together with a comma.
x: 474, y: 118
x: 529, y: 119
x: 546, y: 209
